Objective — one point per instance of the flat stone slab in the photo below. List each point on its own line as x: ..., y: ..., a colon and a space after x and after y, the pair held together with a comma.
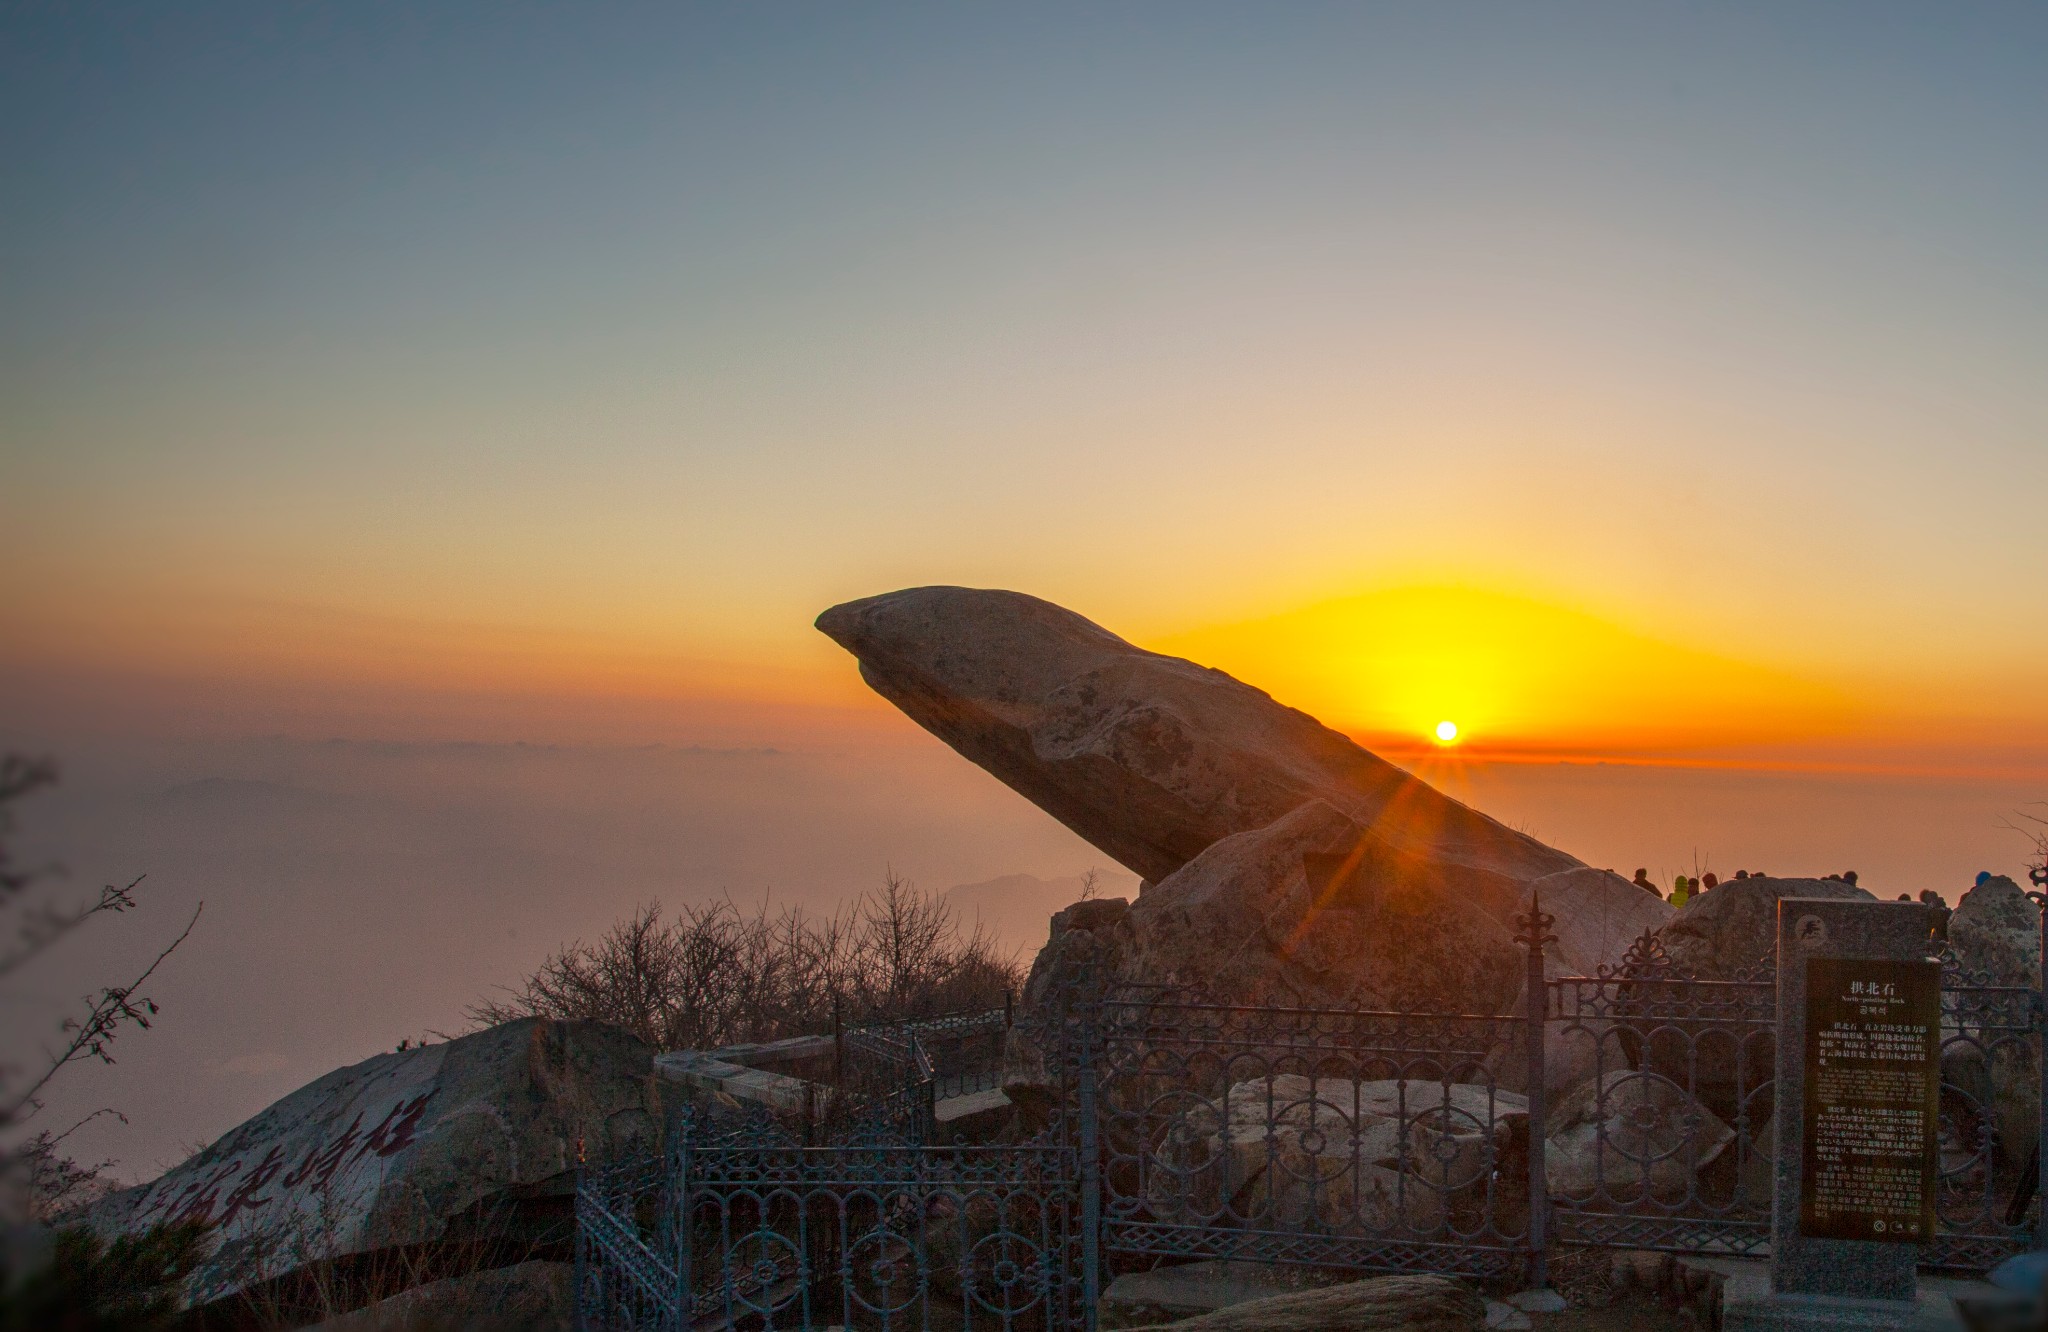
x: 741, y: 1083
x: 974, y: 1117
x: 1139, y: 1299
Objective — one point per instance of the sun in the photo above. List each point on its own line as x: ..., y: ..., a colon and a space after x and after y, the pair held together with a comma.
x: 1447, y: 733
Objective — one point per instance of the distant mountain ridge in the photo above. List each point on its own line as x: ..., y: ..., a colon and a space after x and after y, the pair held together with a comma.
x: 1017, y: 908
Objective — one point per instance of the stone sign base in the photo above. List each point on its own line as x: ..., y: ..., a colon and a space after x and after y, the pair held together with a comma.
x: 1748, y: 1304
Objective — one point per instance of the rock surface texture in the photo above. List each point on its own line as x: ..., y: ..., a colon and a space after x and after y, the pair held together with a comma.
x: 414, y: 1148
x: 1282, y: 862
x: 1382, y: 1304
x: 1995, y: 934
x: 1149, y: 757
x: 1730, y: 930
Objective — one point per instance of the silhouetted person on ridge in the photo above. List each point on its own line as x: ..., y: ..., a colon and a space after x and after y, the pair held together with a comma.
x: 1849, y: 877
x: 1642, y: 881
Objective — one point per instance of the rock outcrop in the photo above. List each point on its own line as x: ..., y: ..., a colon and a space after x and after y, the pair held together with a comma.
x: 1337, y: 1155
x: 1995, y: 934
x: 1630, y: 1135
x: 1309, y: 910
x: 1149, y: 757
x: 1596, y: 917
x: 1728, y: 932
x: 441, y: 1144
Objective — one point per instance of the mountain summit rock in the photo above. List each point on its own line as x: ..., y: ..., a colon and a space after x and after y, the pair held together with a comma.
x: 1152, y: 758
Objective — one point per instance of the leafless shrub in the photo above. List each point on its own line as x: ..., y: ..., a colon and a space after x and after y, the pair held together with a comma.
x: 2033, y: 827
x: 715, y: 975
x: 35, y: 1176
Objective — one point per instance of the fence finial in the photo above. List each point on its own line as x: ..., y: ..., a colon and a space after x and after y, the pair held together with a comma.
x: 1535, y: 926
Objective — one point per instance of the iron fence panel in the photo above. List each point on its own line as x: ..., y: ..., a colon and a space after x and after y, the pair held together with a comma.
x: 1365, y: 1140
x: 913, y: 1238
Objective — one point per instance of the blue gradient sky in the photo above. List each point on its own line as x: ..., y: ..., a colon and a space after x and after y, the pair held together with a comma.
x: 652, y: 330
x: 1647, y: 382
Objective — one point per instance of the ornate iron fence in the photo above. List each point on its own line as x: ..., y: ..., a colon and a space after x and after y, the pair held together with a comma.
x: 1663, y: 1138
x: 1177, y: 1127
x: 1311, y: 1136
x: 882, y: 1237
x: 1991, y: 1084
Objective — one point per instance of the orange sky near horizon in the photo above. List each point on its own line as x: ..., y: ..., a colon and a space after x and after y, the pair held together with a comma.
x: 1522, y: 679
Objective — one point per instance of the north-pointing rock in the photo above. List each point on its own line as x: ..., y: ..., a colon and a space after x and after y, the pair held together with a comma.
x: 1151, y: 758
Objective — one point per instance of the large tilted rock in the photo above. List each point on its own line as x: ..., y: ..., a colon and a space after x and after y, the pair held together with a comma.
x: 1152, y: 758
x: 443, y: 1144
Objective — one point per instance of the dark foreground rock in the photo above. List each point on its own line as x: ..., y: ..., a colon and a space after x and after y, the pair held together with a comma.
x: 526, y: 1297
x: 461, y: 1144
x: 1382, y: 1304
x: 1151, y: 758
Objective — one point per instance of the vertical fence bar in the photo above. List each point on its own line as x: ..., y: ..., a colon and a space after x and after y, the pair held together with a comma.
x: 580, y: 1274
x: 2039, y: 875
x: 1091, y: 1163
x: 1535, y: 933
x: 685, y: 1302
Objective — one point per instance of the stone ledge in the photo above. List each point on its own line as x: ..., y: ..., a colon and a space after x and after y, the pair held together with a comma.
x: 1748, y: 1304
x: 742, y: 1084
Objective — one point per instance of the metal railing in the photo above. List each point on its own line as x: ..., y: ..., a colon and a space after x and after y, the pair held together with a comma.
x: 1182, y: 1127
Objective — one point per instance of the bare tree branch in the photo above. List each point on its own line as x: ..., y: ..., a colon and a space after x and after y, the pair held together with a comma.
x: 114, y: 1007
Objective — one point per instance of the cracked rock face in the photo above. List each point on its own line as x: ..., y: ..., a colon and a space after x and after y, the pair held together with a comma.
x: 1152, y: 758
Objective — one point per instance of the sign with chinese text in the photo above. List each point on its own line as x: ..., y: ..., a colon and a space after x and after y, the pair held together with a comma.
x: 1873, y: 1086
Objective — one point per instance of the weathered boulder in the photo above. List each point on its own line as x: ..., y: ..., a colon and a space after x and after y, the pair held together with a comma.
x: 1375, y: 1157
x: 1730, y: 931
x: 420, y: 1147
x: 1149, y: 757
x: 1995, y: 934
x: 1596, y: 916
x: 1628, y: 1134
x: 1413, y: 1303
x: 1301, y: 912
x: 1309, y: 910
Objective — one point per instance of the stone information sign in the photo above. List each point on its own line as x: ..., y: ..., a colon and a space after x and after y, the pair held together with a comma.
x: 1873, y: 1086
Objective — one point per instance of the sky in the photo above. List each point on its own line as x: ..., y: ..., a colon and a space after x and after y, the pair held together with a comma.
x: 1651, y: 390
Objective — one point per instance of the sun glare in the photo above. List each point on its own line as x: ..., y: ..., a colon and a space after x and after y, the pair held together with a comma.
x: 1446, y: 732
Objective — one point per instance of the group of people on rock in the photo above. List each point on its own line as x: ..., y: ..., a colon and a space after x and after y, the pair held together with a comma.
x: 1684, y: 889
